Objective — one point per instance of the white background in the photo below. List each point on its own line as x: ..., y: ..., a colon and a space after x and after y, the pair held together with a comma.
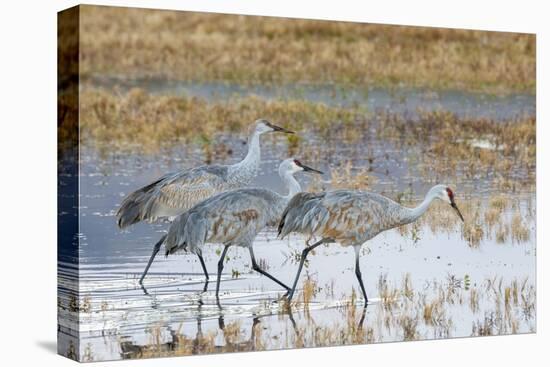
x: 28, y: 181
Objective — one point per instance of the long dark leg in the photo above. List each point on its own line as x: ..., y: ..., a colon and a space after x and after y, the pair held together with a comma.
x: 358, y: 273
x: 203, y: 266
x: 205, y: 272
x: 155, y: 252
x: 288, y: 311
x: 256, y: 267
x: 362, y: 320
x: 304, y: 255
x: 220, y: 269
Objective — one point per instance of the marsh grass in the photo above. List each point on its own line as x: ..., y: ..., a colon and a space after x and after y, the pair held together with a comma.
x: 519, y: 231
x: 473, y: 233
x: 150, y: 122
x: 406, y: 312
x: 502, y: 234
x: 249, y: 49
x: 439, y: 141
x: 499, y: 202
x: 309, y: 290
x: 348, y: 177
x: 508, y: 313
x: 444, y: 141
x: 484, y: 220
x: 474, y: 300
x: 389, y: 295
x: 429, y: 312
x: 492, y: 216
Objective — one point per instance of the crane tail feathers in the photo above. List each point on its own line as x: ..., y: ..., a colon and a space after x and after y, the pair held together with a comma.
x: 187, y: 232
x: 135, y: 207
x: 298, y: 214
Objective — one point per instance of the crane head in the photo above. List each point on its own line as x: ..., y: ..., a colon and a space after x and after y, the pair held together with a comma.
x: 264, y: 126
x: 446, y: 194
x: 293, y: 166
x: 450, y: 196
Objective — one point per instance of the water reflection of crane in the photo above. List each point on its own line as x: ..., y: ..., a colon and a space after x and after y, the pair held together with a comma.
x: 179, y: 344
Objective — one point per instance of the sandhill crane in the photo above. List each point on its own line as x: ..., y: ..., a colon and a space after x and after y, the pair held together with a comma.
x: 351, y: 218
x: 231, y: 218
x: 176, y: 192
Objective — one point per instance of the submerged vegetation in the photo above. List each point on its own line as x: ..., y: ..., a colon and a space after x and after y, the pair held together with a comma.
x: 408, y: 313
x: 404, y: 312
x: 251, y: 49
x: 482, y: 222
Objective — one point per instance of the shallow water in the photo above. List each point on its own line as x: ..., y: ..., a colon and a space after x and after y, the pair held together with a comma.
x: 399, y: 100
x: 118, y: 319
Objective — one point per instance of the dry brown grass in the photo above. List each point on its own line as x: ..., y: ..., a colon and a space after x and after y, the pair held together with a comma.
x: 519, y: 230
x: 474, y: 300
x: 473, y: 233
x: 138, y: 118
x: 444, y: 140
x: 508, y: 312
x: 492, y: 216
x: 483, y: 221
x: 345, y: 176
x: 388, y: 294
x: 499, y: 202
x: 502, y: 233
x: 440, y: 218
x: 309, y: 291
x: 152, y: 122
x: 199, y: 46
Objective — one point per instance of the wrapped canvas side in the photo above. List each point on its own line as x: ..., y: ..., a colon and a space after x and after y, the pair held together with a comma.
x: 68, y: 304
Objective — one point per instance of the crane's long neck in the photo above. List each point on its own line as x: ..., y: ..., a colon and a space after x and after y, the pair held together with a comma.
x: 249, y: 166
x: 280, y: 202
x: 253, y: 155
x: 412, y: 214
x: 293, y: 187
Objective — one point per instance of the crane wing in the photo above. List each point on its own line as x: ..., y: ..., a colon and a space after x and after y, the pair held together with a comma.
x: 293, y: 217
x: 230, y: 217
x: 171, y: 194
x: 342, y: 215
x: 182, y: 190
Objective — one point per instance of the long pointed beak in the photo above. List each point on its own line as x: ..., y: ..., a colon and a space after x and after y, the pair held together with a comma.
x: 280, y: 129
x: 453, y: 205
x: 309, y: 169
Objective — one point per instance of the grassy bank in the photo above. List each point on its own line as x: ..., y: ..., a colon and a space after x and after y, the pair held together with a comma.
x: 155, y: 122
x: 139, y: 117
x: 438, y: 142
x: 244, y: 49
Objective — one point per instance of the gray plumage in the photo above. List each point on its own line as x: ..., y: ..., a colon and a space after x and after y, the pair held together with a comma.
x: 351, y: 218
x: 174, y: 193
x: 232, y: 218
